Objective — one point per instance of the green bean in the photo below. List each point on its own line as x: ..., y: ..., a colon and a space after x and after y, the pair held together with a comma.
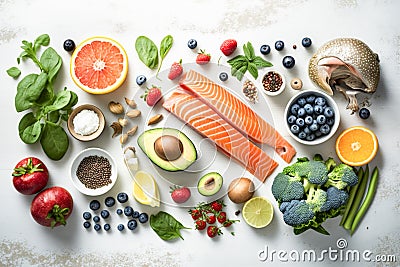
x: 368, y: 199
x: 352, y: 195
x: 357, y: 200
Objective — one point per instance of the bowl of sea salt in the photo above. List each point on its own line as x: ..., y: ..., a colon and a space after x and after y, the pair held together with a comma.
x: 86, y: 122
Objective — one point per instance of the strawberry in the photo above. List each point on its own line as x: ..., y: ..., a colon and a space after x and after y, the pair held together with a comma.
x: 201, y: 225
x: 195, y: 214
x: 180, y: 194
x: 228, y: 47
x: 203, y: 58
x: 211, y: 219
x: 221, y: 217
x: 152, y: 95
x: 228, y: 223
x: 217, y: 206
x: 213, y: 231
x: 176, y: 70
x: 30, y: 176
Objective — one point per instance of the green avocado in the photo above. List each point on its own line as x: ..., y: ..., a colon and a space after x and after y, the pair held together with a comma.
x: 168, y: 148
x: 210, y: 184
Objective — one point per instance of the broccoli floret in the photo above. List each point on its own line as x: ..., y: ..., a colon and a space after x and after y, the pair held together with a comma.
x: 335, y: 199
x: 316, y: 198
x: 315, y: 171
x: 342, y: 176
x: 286, y: 188
x: 298, y: 213
x: 330, y: 163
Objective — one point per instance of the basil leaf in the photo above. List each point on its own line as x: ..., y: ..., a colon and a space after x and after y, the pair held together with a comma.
x: 51, y: 63
x: 29, y: 89
x: 252, y: 68
x: 147, y: 51
x: 31, y: 134
x: 261, y: 63
x: 54, y: 141
x: 13, y: 72
x: 42, y: 40
x: 165, y: 46
x: 27, y: 120
x: 250, y: 50
x: 166, y: 226
x: 240, y: 72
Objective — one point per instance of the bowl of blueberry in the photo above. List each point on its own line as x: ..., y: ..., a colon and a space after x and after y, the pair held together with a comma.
x: 312, y: 117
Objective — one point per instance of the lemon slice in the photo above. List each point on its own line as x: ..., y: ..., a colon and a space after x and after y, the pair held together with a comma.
x: 145, y: 189
x: 258, y: 212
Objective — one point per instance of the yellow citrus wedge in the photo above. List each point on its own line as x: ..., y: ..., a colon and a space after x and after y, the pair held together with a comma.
x: 258, y: 212
x: 357, y: 146
x: 99, y: 65
x: 145, y: 189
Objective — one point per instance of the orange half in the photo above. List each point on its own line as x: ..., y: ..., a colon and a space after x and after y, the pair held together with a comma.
x: 357, y: 146
x: 99, y: 65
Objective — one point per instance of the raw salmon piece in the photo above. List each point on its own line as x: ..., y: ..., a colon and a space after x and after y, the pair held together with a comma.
x: 234, y: 111
x: 208, y: 123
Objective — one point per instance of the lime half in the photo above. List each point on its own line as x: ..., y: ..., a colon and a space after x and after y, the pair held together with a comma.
x: 258, y: 212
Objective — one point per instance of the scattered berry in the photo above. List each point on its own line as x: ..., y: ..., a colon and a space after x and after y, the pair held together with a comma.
x: 216, y: 206
x: 175, y: 70
x: 221, y: 217
x: 109, y: 201
x: 228, y: 47
x: 128, y: 211
x: 122, y: 197
x: 94, y: 205
x: 152, y: 96
x: 213, y: 231
x: 140, y: 80
x: 223, y: 76
x: 106, y: 227
x: 135, y: 214
x: 210, y: 219
x: 288, y: 62
x: 97, y: 227
x: 180, y: 194
x: 120, y: 227
x: 69, y: 45
x: 192, y: 43
x: 265, y: 49
x: 119, y: 212
x: 105, y: 214
x: 203, y: 58
x: 132, y: 224
x: 294, y: 46
x: 195, y: 213
x: 143, y: 217
x: 96, y: 219
x: 364, y: 113
x: 279, y: 45
x: 86, y: 224
x: 200, y: 225
x: 306, y: 42
x: 87, y: 215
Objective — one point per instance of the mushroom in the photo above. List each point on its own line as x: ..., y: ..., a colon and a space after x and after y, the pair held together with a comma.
x: 168, y: 147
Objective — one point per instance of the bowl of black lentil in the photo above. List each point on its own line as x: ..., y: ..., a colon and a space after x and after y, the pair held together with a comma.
x: 93, y: 171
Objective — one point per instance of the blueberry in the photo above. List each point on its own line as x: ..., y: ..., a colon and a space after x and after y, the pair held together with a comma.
x: 279, y: 45
x: 135, y: 214
x: 318, y: 133
x: 320, y: 101
x: 301, y: 112
x: 265, y: 49
x: 314, y: 127
x: 301, y: 101
x: 104, y: 214
x: 307, y: 131
x: 318, y: 109
x: 364, y: 113
x: 143, y: 217
x: 308, y: 120
x: 223, y: 76
x: 291, y: 119
x: 96, y: 218
x: 94, y: 204
x: 306, y: 42
x: 330, y: 121
x: 309, y: 109
x: 86, y: 225
x: 69, y: 45
x: 140, y: 80
x: 192, y: 44
x: 310, y: 137
x: 310, y: 99
x: 128, y: 211
x: 325, y: 129
x: 329, y: 112
x: 120, y: 227
x: 300, y: 122
x: 97, y: 227
x: 122, y: 197
x: 321, y: 119
x: 302, y: 135
x: 109, y: 201
x: 107, y: 227
x: 132, y: 224
x: 288, y: 62
x: 295, y: 129
x: 87, y: 215
x: 294, y: 109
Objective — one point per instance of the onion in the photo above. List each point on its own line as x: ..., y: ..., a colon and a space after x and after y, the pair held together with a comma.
x: 240, y: 190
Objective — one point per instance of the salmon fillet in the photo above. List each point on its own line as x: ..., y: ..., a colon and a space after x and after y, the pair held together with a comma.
x: 208, y: 123
x: 238, y: 114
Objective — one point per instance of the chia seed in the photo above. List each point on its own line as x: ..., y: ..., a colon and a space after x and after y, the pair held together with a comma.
x: 250, y: 91
x: 94, y: 172
x: 272, y: 81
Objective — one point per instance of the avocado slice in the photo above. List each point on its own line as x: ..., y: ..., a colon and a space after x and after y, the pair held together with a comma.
x: 210, y: 184
x: 168, y: 148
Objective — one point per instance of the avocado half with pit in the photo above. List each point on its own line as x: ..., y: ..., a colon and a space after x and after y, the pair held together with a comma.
x: 168, y: 148
x: 210, y: 184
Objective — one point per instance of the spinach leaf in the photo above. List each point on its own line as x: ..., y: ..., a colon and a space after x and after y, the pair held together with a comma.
x: 62, y: 100
x: 72, y: 101
x: 42, y: 40
x: 13, y: 72
x: 165, y: 46
x: 27, y: 120
x: 31, y: 134
x: 53, y: 116
x: 29, y: 89
x: 51, y: 63
x: 147, y: 51
x: 166, y: 226
x: 54, y: 141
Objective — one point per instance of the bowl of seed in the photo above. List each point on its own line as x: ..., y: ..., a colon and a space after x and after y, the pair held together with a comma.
x: 273, y: 83
x: 93, y: 171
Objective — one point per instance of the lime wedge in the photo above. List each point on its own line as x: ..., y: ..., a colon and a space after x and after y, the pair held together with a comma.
x: 258, y: 212
x: 145, y: 189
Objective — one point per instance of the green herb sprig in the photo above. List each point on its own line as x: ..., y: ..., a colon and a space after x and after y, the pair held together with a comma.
x: 247, y: 62
x: 48, y: 108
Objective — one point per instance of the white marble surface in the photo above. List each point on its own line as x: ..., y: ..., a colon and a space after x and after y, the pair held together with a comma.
x: 23, y: 242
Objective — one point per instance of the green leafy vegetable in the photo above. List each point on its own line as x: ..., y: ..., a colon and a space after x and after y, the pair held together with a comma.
x: 48, y: 108
x: 147, y: 51
x: 166, y: 226
x: 249, y: 62
x: 165, y: 46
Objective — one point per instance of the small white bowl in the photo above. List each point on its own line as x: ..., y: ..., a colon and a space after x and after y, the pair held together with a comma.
x: 77, y: 160
x: 330, y: 102
x: 280, y: 90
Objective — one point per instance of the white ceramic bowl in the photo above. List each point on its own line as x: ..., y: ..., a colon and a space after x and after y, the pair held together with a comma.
x: 280, y: 90
x: 330, y: 102
x: 77, y: 160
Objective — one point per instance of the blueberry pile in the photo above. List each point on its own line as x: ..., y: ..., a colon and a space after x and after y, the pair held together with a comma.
x: 310, y: 117
x: 102, y: 217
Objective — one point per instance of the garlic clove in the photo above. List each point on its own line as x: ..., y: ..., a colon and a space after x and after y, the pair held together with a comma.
x: 133, y: 113
x: 116, y: 107
x: 123, y: 122
x: 131, y: 161
x: 130, y: 102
